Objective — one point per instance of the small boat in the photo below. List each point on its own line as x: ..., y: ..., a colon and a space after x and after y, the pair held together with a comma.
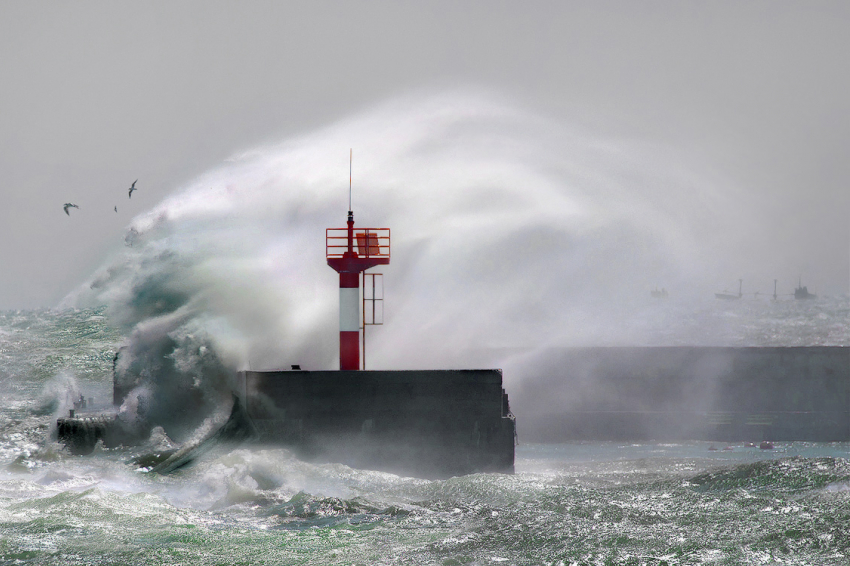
x: 802, y: 292
x: 656, y: 294
x: 729, y: 296
x: 766, y: 445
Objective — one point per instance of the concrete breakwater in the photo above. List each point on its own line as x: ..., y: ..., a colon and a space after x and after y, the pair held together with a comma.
x: 687, y: 393
x: 426, y: 423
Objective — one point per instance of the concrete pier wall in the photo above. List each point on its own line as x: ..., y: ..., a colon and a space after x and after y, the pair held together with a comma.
x: 681, y: 393
x: 426, y: 423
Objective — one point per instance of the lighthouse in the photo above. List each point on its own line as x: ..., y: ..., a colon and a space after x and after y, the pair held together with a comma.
x: 351, y: 251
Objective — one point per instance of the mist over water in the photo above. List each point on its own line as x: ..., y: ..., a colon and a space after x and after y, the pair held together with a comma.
x: 508, y: 232
x: 512, y: 237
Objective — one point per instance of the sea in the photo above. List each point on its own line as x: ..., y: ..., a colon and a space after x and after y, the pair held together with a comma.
x: 580, y: 503
x: 512, y: 234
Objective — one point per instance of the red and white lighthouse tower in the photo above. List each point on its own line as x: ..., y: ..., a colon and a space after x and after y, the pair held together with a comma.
x: 350, y: 252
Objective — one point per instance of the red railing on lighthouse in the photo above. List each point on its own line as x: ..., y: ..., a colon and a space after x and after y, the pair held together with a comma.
x: 367, y: 243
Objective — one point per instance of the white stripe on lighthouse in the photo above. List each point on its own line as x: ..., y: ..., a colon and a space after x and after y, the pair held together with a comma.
x: 349, y: 309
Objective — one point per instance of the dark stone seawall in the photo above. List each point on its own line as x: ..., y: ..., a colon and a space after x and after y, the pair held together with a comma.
x: 687, y: 393
x: 426, y: 423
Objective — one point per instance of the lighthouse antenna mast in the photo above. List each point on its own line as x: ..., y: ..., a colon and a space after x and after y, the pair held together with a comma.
x: 350, y: 159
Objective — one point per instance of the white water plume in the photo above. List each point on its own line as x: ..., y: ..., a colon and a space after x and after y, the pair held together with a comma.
x: 507, y: 230
x: 58, y: 395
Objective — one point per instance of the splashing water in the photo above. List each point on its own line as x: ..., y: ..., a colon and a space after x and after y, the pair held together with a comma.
x: 508, y: 230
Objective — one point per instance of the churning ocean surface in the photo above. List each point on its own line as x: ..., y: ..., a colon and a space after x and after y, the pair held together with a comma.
x: 579, y: 503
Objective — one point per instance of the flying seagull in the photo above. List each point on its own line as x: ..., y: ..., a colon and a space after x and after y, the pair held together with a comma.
x: 116, y: 208
x: 133, y: 188
x: 69, y: 205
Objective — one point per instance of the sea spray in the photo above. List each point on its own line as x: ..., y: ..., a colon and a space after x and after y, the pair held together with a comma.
x: 59, y: 395
x: 168, y: 376
x: 505, y: 226
x: 236, y: 271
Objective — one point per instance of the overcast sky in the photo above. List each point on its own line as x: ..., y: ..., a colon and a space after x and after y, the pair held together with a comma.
x: 97, y: 94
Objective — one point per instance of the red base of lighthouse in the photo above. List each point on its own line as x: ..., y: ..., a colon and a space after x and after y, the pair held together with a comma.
x: 349, y: 350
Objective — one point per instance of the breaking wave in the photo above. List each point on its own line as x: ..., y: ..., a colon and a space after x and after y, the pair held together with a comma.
x: 507, y: 230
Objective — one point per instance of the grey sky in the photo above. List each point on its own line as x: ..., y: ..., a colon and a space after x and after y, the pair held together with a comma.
x: 97, y: 94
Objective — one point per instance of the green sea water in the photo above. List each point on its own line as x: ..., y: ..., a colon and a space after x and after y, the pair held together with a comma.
x: 581, y: 503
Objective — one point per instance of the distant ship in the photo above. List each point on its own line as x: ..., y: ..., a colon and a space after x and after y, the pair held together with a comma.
x: 729, y: 296
x: 656, y: 294
x: 802, y: 292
